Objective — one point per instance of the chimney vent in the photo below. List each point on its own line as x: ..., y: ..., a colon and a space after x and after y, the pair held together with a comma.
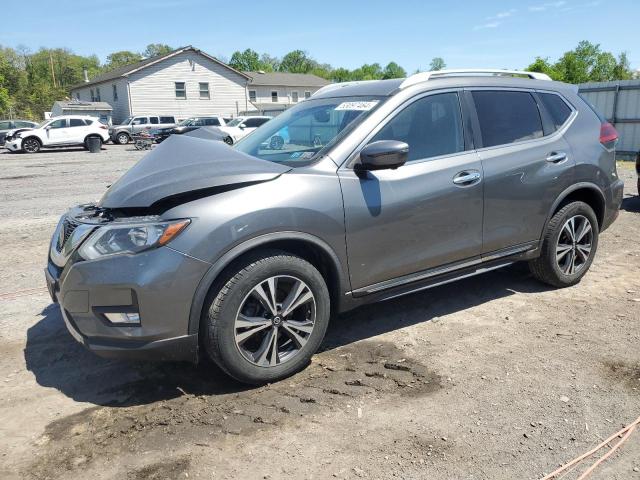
x: 86, y: 75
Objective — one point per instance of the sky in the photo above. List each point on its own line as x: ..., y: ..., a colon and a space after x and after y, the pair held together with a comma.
x: 345, y: 33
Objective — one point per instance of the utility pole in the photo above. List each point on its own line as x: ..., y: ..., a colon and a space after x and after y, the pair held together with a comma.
x: 53, y: 73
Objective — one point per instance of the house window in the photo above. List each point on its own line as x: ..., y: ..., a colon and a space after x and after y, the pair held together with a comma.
x: 115, y: 92
x: 274, y: 96
x: 97, y: 95
x: 294, y: 97
x: 204, y: 91
x: 307, y: 94
x: 181, y: 90
x: 92, y: 95
x: 78, y: 96
x: 252, y: 96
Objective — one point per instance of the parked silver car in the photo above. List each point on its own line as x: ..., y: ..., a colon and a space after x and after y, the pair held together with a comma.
x: 123, y: 132
x: 373, y: 190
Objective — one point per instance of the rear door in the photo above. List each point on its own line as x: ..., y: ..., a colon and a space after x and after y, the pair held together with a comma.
x: 78, y: 130
x: 424, y: 214
x: 526, y: 162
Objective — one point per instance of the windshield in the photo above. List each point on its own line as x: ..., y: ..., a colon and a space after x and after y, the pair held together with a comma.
x: 235, y: 122
x: 126, y: 121
x: 298, y: 135
x: 42, y: 124
x: 187, y: 122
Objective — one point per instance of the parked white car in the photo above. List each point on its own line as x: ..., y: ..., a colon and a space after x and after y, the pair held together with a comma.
x: 63, y: 131
x: 240, y: 127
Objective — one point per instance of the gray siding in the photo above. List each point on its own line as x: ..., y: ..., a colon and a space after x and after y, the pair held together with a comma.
x: 263, y: 93
x: 153, y: 88
x: 619, y: 102
x: 120, y: 107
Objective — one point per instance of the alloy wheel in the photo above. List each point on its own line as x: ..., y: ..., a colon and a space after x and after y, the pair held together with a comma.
x: 31, y: 145
x: 275, y: 320
x: 574, y: 244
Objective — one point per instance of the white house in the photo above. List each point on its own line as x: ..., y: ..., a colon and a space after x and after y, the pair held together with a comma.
x: 185, y: 82
x: 273, y: 92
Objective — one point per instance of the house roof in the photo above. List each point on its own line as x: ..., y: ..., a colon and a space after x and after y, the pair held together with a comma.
x: 134, y: 67
x: 79, y: 105
x: 286, y: 79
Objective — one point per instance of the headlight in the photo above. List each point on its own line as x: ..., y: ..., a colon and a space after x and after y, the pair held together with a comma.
x: 131, y: 238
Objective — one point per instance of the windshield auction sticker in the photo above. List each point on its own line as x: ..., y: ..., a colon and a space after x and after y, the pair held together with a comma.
x: 360, y: 106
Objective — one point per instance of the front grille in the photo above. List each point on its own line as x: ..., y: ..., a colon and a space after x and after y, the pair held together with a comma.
x: 68, y: 227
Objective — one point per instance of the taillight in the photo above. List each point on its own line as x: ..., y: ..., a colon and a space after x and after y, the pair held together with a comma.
x: 104, y: 127
x: 608, y: 135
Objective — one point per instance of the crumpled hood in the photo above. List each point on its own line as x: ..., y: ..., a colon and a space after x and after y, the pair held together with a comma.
x: 183, y: 164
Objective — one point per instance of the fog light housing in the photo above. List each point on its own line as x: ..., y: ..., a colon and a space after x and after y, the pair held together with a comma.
x: 128, y: 318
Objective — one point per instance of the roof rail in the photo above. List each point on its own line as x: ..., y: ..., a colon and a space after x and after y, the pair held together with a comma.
x: 424, y: 76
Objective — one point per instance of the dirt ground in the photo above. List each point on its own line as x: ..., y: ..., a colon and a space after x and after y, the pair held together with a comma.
x: 493, y: 377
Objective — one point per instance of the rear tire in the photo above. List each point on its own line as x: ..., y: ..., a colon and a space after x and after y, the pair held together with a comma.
x: 122, y: 138
x: 249, y: 309
x: 568, y: 247
x: 228, y: 140
x: 31, y: 145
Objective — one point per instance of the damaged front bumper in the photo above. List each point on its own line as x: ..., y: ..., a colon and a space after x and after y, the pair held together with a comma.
x: 132, y: 306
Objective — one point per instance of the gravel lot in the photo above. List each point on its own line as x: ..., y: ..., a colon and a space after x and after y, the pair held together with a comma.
x: 492, y: 377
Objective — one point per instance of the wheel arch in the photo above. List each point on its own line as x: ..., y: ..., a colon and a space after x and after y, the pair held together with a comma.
x: 586, y: 192
x: 313, y: 249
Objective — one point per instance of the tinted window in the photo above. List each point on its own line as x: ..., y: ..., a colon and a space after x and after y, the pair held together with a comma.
x: 211, y: 121
x: 255, y: 122
x: 140, y: 121
x: 76, y: 122
x: 25, y: 124
x: 6, y: 125
x: 62, y: 123
x: 430, y: 126
x: 507, y: 117
x: 153, y: 120
x: 167, y: 120
x: 557, y: 108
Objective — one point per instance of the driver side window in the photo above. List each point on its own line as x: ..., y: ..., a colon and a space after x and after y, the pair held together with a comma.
x: 62, y: 123
x: 431, y: 126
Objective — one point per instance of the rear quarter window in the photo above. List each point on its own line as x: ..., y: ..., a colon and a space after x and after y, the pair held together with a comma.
x: 506, y: 117
x: 556, y: 107
x: 167, y: 120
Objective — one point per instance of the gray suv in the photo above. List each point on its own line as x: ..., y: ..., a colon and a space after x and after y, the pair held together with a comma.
x: 365, y: 192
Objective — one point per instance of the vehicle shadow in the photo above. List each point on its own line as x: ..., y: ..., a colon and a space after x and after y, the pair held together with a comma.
x: 58, y: 361
x: 631, y: 204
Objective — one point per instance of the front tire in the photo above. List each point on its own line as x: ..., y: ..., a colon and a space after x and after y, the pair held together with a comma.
x: 265, y: 321
x: 568, y: 247
x: 31, y: 145
x: 122, y: 138
x: 228, y: 140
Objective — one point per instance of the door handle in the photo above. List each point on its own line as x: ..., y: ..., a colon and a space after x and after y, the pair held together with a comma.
x: 467, y: 178
x: 556, y: 157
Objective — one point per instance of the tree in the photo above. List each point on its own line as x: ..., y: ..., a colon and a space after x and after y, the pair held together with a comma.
x: 156, y: 49
x: 341, y: 75
x: 542, y: 65
x: 393, y: 70
x: 121, y: 58
x: 296, y: 61
x: 269, y: 63
x: 622, y: 70
x: 247, y: 61
x: 437, y: 63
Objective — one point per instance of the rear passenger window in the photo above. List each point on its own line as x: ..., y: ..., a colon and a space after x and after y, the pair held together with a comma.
x: 167, y: 120
x: 557, y: 108
x: 211, y: 121
x: 507, y: 117
x: 430, y: 126
x: 76, y: 122
x: 153, y: 120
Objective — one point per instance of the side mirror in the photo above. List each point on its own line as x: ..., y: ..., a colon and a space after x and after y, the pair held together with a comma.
x: 242, y: 126
x: 383, y: 155
x: 48, y: 127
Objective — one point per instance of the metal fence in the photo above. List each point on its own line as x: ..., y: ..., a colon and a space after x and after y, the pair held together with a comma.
x: 619, y: 102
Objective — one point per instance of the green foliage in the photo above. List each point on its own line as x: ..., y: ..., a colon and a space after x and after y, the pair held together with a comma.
x: 393, y: 70
x: 156, y: 49
x: 437, y: 63
x: 586, y: 63
x: 121, y: 58
x: 296, y: 61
